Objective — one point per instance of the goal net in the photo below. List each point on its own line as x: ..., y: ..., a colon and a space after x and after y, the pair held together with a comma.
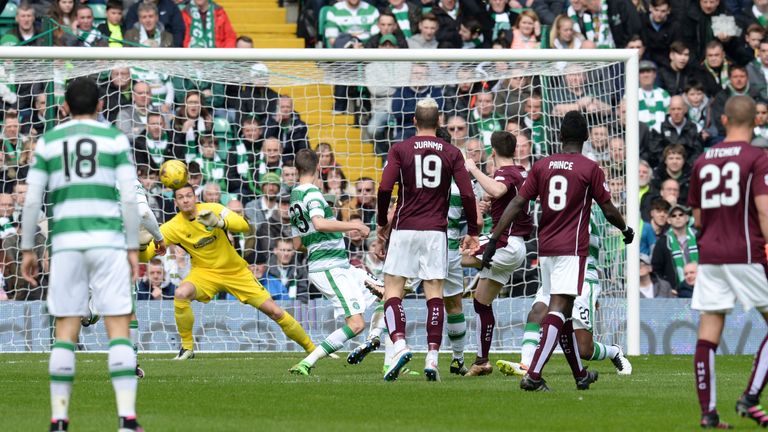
x: 237, y: 117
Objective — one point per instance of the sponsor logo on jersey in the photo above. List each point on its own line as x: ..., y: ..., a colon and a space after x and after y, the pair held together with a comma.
x: 205, y: 241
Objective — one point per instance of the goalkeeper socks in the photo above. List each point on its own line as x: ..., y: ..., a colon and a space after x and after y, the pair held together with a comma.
x: 134, y: 329
x: 485, y: 325
x: 61, y: 367
x: 571, y: 349
x: 759, y: 374
x: 457, y: 330
x: 334, y: 342
x: 185, y: 320
x: 435, y: 320
x: 704, y: 367
x: 122, y: 369
x: 531, y: 337
x: 295, y: 331
x: 602, y: 351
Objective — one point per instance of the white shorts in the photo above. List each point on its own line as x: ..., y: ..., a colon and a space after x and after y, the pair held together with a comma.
x: 718, y: 286
x: 101, y: 274
x: 584, y: 305
x: 563, y: 275
x: 505, y: 261
x: 417, y: 254
x: 344, y: 288
x: 454, y: 282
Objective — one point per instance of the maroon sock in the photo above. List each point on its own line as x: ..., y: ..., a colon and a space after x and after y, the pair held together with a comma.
x: 571, y: 349
x: 759, y: 371
x: 704, y: 366
x: 550, y: 332
x: 435, y: 318
x: 485, y: 325
x: 394, y: 316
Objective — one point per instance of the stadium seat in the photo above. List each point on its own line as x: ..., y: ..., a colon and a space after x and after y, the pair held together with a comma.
x: 99, y: 13
x: 322, y: 19
x: 8, y: 18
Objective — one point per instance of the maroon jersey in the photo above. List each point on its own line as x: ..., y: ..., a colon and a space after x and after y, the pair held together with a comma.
x: 724, y: 181
x: 512, y: 177
x: 567, y: 183
x: 424, y: 166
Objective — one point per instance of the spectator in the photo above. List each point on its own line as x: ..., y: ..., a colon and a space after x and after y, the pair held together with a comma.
x: 696, y: 27
x: 738, y: 85
x: 597, y: 146
x: 483, y: 120
x: 148, y: 31
x: 195, y: 177
x: 252, y: 99
x: 260, y: 209
x: 207, y: 26
x: 327, y: 158
x: 212, y: 194
x: 579, y: 95
x: 243, y: 41
x: 459, y: 130
x: 373, y: 263
x: 386, y: 24
x: 63, y: 15
x: 37, y: 121
x: 476, y: 152
x: 425, y: 38
x: 451, y: 15
x: 501, y: 18
x: 244, y: 243
x: 335, y: 185
x: 533, y: 121
x: 659, y: 31
x: 562, y: 35
x: 618, y: 20
x: 25, y: 32
x: 458, y: 99
x: 277, y: 227
x: 523, y: 155
x: 364, y: 202
x: 152, y: 186
x: 379, y: 76
x: 355, y: 242
x: 761, y: 119
x: 644, y: 131
x: 549, y: 10
x: 284, y: 266
x: 192, y: 119
x: 644, y: 172
x: 15, y: 286
x: 155, y: 286
x: 677, y: 129
x: 213, y: 168
x: 112, y: 29
x: 270, y: 159
x: 152, y: 147
x: 402, y: 12
x: 117, y: 93
x: 670, y: 191
x: 675, y: 248
x: 685, y: 290
x: 636, y: 42
x: 248, y: 146
x: 511, y: 95
x: 289, y: 176
x: 651, y: 286
x: 654, y: 101
x: 131, y: 120
x: 656, y: 226
x: 352, y: 18
x: 674, y: 76
x: 170, y: 18
x: 85, y: 35
x: 12, y: 142
x: 756, y: 70
x: 19, y: 196
x: 699, y: 109
x: 713, y: 70
x: 526, y: 31
x: 404, y: 101
x: 471, y: 32
x: 674, y: 166
x: 276, y: 289
x: 751, y: 47
x: 287, y: 126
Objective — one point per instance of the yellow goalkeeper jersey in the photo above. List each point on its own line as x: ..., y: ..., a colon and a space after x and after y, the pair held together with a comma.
x: 208, y: 248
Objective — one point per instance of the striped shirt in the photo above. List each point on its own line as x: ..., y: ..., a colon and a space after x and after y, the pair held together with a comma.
x: 597, y: 223
x: 81, y: 161
x: 653, y: 107
x: 356, y: 22
x: 325, y: 250
x: 457, y: 222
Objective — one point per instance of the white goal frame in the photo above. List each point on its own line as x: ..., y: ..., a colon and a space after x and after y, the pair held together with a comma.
x: 629, y: 57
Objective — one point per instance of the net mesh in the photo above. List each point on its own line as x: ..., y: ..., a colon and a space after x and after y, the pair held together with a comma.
x: 230, y: 120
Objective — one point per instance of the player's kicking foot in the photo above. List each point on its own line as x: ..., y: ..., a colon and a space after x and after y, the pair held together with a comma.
x: 374, y: 285
x: 749, y: 407
x: 584, y: 382
x: 457, y: 367
x: 185, y: 354
x: 530, y: 384
x: 398, y: 361
x: 431, y: 371
x: 129, y: 424
x: 712, y: 421
x: 139, y: 372
x: 59, y: 425
x: 623, y: 366
x: 358, y: 354
x: 509, y: 368
x: 479, y: 368
x: 302, y: 368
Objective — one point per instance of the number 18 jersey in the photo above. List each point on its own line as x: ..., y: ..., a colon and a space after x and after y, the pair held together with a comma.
x: 724, y: 181
x: 325, y: 250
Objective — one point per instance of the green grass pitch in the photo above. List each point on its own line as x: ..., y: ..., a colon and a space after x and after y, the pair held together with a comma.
x: 254, y: 392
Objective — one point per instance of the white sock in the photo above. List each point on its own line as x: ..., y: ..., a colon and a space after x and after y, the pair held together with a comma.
x: 431, y: 357
x: 377, y: 326
x: 122, y: 369
x: 457, y: 330
x: 531, y: 338
x: 331, y: 344
x: 61, y: 367
x: 389, y: 349
x: 134, y: 332
x: 602, y: 351
x: 399, y: 345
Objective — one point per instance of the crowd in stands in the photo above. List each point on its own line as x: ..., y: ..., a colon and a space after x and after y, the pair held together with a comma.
x: 239, y: 139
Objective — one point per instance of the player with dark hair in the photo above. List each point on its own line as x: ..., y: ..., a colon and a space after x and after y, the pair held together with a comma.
x: 729, y: 198
x: 566, y: 182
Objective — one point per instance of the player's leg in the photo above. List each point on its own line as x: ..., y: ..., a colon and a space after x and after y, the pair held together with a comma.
x: 487, y: 290
x: 185, y: 318
x: 433, y: 291
x: 288, y: 324
x: 372, y: 290
x: 394, y: 316
x: 748, y: 404
x: 457, y: 332
x: 134, y: 329
x: 334, y: 342
x: 531, y: 335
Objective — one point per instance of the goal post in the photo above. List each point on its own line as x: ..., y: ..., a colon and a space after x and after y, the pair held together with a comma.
x: 304, y: 74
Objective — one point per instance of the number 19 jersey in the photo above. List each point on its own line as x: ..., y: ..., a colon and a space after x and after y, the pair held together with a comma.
x: 325, y: 250
x: 724, y: 181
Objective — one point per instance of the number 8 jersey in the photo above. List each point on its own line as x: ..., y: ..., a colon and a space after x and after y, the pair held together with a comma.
x: 724, y: 181
x: 325, y: 250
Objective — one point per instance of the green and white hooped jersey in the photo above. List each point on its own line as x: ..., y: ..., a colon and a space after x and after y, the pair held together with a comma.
x: 81, y: 161
x: 457, y: 222
x: 597, y: 223
x: 325, y: 250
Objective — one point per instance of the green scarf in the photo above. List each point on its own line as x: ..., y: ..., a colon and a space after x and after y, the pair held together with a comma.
x: 156, y: 148
x: 200, y: 37
x: 540, y: 147
x: 602, y: 38
x: 484, y: 127
x: 723, y: 79
x: 11, y: 152
x: 677, y: 254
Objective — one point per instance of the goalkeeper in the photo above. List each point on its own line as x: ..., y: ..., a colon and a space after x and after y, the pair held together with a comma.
x: 201, y: 229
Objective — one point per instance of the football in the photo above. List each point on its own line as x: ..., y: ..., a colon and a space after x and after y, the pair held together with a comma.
x: 173, y: 174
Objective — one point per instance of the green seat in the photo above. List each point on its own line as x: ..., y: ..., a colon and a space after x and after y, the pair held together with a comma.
x: 322, y: 20
x: 8, y: 17
x: 99, y: 13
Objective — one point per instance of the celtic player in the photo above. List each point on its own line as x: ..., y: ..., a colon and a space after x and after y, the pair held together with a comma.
x: 315, y: 229
x: 583, y: 313
x: 93, y: 234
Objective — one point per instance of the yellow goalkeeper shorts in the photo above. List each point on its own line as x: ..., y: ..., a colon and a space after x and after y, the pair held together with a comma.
x: 240, y: 283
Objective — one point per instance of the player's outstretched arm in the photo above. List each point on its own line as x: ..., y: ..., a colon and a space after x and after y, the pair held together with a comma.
x: 387, y: 184
x: 613, y: 216
x: 492, y: 187
x: 234, y: 222
x: 322, y: 224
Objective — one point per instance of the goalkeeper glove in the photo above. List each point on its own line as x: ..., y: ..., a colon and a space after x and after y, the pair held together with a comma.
x: 490, y: 250
x: 145, y: 237
x: 629, y: 235
x: 210, y: 219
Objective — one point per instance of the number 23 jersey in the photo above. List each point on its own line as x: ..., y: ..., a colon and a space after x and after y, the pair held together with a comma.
x: 325, y: 250
x: 724, y: 181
